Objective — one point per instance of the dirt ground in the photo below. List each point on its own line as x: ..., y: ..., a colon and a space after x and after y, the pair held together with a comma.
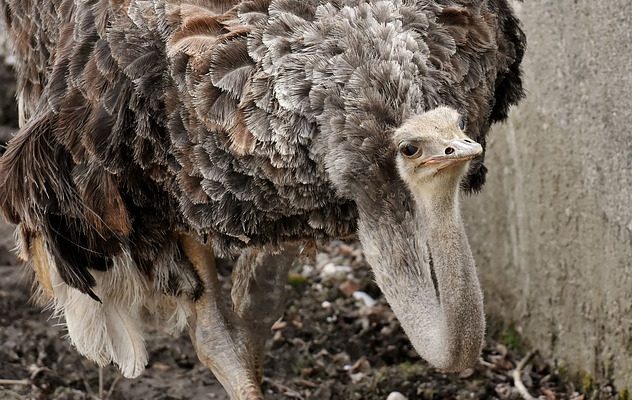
x: 337, y: 340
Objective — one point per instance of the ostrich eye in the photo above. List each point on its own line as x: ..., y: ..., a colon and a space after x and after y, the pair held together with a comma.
x: 409, y: 149
x: 462, y: 123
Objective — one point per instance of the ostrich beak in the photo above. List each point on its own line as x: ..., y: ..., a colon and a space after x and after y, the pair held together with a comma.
x: 453, y: 152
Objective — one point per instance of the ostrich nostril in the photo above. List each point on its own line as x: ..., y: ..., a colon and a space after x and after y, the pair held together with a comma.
x: 449, y: 150
x: 468, y: 141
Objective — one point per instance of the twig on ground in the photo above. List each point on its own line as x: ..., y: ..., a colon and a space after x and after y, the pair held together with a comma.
x: 8, y: 382
x: 287, y: 391
x: 112, y: 386
x: 486, y: 363
x: 306, y: 383
x: 101, y: 383
x: 88, y: 388
x: 517, y: 376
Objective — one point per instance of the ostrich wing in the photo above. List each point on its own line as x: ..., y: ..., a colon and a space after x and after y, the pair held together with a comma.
x: 89, y: 168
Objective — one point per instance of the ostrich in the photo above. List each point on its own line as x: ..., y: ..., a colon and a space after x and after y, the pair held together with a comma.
x: 157, y: 135
x: 434, y: 155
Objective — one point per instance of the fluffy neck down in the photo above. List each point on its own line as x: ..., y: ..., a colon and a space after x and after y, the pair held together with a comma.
x: 425, y: 267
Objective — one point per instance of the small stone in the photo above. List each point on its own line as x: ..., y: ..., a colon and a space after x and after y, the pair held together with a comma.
x: 396, y: 396
x: 162, y: 367
x: 333, y: 272
x: 348, y: 288
x: 549, y: 394
x: 504, y: 390
x: 362, y: 365
x: 345, y: 249
x: 502, y: 349
x: 365, y: 298
x: 387, y: 330
x: 357, y: 377
x: 326, y: 304
x: 308, y: 271
x: 298, y: 324
x: 466, y: 373
x: 341, y: 358
x: 321, y: 259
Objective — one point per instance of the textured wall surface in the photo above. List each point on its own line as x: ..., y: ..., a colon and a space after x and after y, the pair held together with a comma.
x: 8, y: 109
x: 552, y: 230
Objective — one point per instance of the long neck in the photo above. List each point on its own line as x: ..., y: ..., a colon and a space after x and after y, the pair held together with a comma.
x: 455, y: 278
x: 424, y: 266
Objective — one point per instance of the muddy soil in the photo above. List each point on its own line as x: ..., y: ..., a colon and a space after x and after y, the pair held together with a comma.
x: 337, y: 340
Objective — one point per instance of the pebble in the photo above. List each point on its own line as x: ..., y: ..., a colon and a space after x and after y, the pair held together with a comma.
x: 357, y: 377
x: 333, y: 272
x: 307, y: 271
x: 396, y: 396
x: 349, y: 287
x: 365, y: 298
x: 466, y: 373
x: 362, y: 365
x: 322, y: 259
x: 162, y: 367
x: 345, y: 249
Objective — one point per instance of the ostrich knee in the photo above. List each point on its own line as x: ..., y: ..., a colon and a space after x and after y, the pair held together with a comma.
x: 258, y: 293
x: 220, y: 337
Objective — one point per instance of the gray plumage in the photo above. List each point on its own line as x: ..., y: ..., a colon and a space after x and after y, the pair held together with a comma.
x: 244, y: 123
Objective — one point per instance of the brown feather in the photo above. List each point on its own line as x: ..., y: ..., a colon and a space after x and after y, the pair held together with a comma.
x: 242, y: 141
x: 104, y: 206
x: 41, y: 265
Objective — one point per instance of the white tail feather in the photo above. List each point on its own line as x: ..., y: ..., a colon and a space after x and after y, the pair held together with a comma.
x: 84, y: 320
x: 112, y: 331
x: 126, y: 343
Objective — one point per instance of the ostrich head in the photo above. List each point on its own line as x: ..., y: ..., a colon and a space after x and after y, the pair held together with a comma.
x: 416, y: 244
x: 434, y: 152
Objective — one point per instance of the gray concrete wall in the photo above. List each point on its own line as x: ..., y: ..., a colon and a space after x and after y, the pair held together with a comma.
x: 552, y: 231
x: 8, y: 109
x: 3, y: 42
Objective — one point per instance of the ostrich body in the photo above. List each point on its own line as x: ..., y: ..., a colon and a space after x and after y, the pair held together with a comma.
x: 158, y: 134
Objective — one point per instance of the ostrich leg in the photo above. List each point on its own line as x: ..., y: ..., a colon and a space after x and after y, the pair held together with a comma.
x: 258, y: 294
x: 221, y: 338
